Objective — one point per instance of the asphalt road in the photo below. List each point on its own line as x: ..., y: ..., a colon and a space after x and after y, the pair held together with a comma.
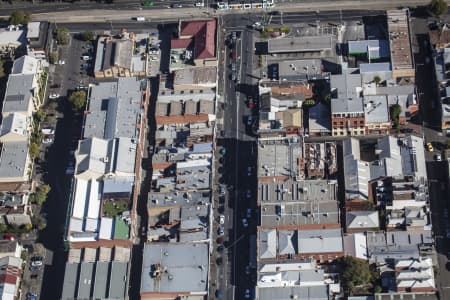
x: 240, y: 145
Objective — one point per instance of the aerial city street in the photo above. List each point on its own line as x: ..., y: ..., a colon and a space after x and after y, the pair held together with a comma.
x: 201, y: 150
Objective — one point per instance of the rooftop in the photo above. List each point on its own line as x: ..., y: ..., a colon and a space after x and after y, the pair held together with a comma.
x: 114, y: 109
x: 376, y: 109
x: 201, y: 77
x: 279, y: 157
x: 172, y: 268
x: 346, y: 85
x: 374, y: 49
x: 399, y: 39
x: 204, y: 34
x: 33, y: 30
x: 14, y: 160
x: 19, y: 91
x: 345, y: 105
x: 301, y: 44
x: 293, y: 292
x: 300, y: 69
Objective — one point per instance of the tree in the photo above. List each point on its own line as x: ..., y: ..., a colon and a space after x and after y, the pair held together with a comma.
x: 27, y: 227
x: 2, y: 69
x: 377, y: 79
x: 40, y: 195
x: 395, y: 111
x: 3, y: 228
x: 354, y: 273
x: 34, y: 150
x: 87, y: 36
x: 62, y: 36
x: 40, y: 115
x: 19, y: 17
x: 54, y: 56
x: 78, y: 99
x: 438, y: 7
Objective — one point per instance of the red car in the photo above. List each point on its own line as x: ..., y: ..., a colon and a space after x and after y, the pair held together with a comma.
x: 9, y: 237
x: 250, y: 104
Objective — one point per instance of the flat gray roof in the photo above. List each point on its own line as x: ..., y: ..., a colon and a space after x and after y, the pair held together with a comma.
x: 278, y: 157
x: 13, y: 159
x: 376, y: 48
x: 300, y: 44
x: 293, y: 292
x: 305, y: 68
x: 348, y: 84
x: 345, y: 105
x: 185, y: 268
x: 86, y: 280
x: 118, y: 280
x: 19, y: 91
x: 101, y: 280
x: 70, y: 281
x: 114, y: 109
x: 320, y: 241
x: 376, y: 109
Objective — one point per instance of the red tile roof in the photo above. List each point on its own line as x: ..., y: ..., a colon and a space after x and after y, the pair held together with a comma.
x: 204, y: 35
x: 180, y: 43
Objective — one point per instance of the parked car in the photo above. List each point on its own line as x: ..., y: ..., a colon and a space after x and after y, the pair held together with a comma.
x: 218, y: 294
x: 221, y: 219
x: 36, y: 261
x: 244, y: 222
x: 248, y: 194
x: 248, y: 213
x: 249, y: 171
x: 53, y: 96
x: 249, y: 120
x: 247, y: 270
x: 247, y: 293
x: 31, y: 296
x: 10, y: 237
x: 220, y: 231
x: 437, y: 157
x: 430, y: 147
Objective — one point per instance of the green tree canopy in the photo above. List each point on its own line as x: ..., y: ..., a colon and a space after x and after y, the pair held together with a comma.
x: 78, y: 99
x: 87, y: 36
x: 354, y: 273
x: 377, y: 79
x: 34, y: 150
x: 54, y: 56
x: 19, y: 17
x: 439, y: 7
x: 40, y: 115
x: 62, y: 36
x: 40, y: 195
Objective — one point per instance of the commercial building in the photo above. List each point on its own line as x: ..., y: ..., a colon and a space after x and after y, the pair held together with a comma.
x: 402, y: 59
x: 96, y: 273
x: 171, y: 271
x: 195, y: 45
x: 301, y: 44
x: 115, y: 57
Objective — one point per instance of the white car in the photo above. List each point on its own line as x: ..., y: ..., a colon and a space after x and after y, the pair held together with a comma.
x: 47, y: 141
x: 244, y: 222
x: 48, y: 131
x: 154, y: 58
x: 61, y: 62
x: 199, y: 4
x: 53, y: 96
x: 221, y: 219
x: 247, y: 294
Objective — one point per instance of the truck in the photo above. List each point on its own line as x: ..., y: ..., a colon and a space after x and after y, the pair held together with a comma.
x: 140, y: 19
